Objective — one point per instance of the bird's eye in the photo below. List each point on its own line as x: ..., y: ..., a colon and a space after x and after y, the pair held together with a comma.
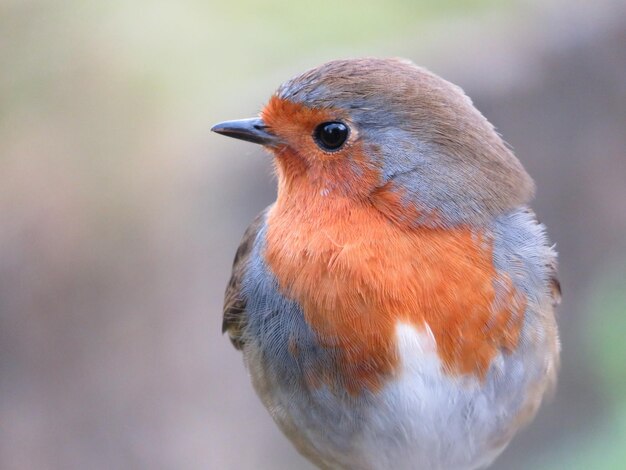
x: 330, y: 136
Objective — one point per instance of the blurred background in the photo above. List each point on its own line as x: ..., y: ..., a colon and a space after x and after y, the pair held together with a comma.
x: 120, y: 213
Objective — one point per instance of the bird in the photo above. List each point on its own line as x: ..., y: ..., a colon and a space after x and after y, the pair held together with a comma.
x: 395, y: 305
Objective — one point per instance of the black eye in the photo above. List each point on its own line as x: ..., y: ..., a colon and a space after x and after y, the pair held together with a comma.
x: 331, y: 136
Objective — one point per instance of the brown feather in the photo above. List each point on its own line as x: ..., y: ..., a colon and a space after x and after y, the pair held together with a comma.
x: 235, y: 317
x: 555, y: 285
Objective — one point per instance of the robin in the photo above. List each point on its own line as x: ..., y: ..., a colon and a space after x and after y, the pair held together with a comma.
x: 395, y: 304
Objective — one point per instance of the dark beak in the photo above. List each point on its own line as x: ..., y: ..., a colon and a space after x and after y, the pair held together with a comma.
x: 252, y: 130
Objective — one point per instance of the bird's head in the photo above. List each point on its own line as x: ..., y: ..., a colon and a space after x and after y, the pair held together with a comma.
x: 388, y: 133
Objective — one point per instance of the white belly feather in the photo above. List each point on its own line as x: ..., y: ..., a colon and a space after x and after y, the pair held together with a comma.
x: 423, y: 418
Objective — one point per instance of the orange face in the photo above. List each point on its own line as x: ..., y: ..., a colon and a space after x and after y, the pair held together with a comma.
x: 346, y: 170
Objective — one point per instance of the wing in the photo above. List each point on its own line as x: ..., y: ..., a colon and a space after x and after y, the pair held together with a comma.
x: 235, y: 317
x: 553, y: 272
x: 555, y: 285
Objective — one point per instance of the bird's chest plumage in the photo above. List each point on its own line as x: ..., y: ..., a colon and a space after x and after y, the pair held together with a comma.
x: 357, y: 277
x: 377, y: 347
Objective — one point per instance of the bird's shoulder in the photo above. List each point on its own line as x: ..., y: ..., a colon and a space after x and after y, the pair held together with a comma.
x: 234, y: 312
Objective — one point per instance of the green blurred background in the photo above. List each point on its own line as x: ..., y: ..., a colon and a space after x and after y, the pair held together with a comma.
x: 120, y: 213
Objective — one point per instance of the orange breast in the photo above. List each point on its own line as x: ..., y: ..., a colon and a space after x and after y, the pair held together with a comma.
x: 356, y: 275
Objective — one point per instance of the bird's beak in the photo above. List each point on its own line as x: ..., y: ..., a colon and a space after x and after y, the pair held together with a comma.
x: 253, y: 130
